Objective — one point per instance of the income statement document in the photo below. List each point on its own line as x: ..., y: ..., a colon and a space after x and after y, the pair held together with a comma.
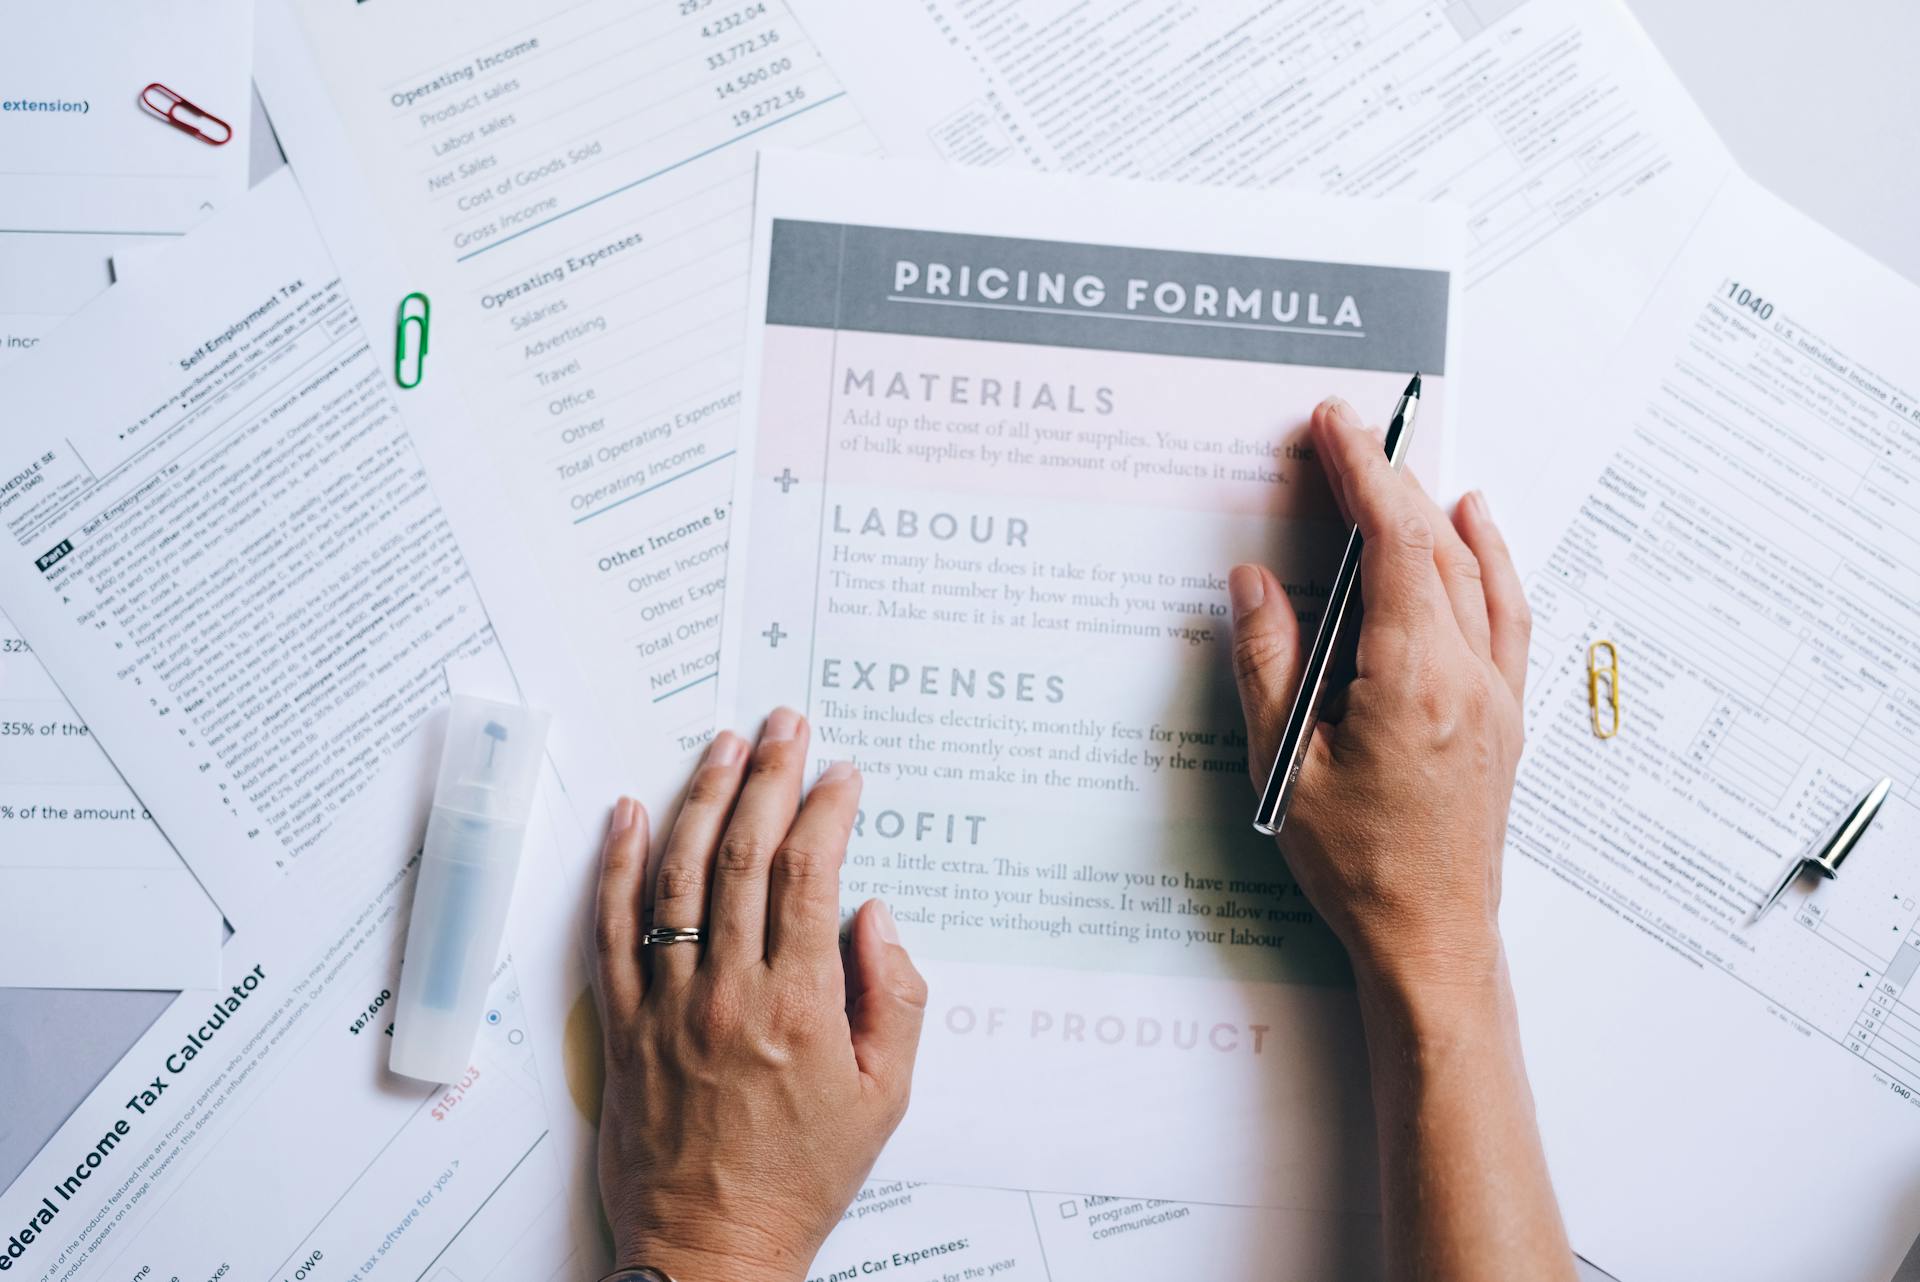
x: 1741, y: 516
x: 572, y: 189
x: 1006, y: 435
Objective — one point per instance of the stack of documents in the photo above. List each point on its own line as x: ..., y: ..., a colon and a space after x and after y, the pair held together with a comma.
x: 90, y: 175
x: 724, y: 409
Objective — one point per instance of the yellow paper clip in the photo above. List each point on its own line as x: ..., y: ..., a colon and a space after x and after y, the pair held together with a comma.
x: 1606, y: 716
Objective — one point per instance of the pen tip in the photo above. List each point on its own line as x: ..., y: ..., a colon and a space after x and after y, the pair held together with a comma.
x: 1413, y: 388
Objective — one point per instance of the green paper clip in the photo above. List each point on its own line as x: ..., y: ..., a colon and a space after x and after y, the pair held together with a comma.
x: 411, y: 319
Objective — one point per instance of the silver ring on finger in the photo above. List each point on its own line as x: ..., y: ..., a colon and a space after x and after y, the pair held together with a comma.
x: 672, y: 935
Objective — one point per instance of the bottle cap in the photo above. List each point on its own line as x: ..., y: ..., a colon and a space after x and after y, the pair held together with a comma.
x: 490, y: 764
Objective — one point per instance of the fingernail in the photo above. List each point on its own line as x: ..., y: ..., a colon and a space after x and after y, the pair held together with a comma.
x: 725, y: 749
x: 1246, y: 589
x: 1342, y: 413
x: 884, y: 923
x: 624, y: 811
x: 837, y: 771
x: 781, y: 726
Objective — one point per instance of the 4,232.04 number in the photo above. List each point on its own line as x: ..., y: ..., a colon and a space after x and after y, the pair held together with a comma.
x: 720, y: 24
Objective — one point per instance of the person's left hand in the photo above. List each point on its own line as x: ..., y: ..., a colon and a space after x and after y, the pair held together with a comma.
x: 751, y: 1080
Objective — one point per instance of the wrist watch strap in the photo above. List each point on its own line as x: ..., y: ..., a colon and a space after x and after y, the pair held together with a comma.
x: 638, y: 1275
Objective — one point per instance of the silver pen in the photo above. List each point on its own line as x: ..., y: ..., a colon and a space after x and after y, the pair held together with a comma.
x: 1838, y: 847
x: 1306, y: 704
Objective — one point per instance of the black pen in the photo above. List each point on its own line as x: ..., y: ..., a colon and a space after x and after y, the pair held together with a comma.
x: 1306, y: 704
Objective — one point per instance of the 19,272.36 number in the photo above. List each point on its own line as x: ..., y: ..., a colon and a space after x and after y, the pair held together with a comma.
x: 768, y: 106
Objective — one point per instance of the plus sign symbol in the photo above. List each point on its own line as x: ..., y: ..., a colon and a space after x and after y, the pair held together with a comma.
x: 775, y: 635
x: 786, y: 480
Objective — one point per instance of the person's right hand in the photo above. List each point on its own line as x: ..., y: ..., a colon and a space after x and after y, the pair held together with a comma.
x: 1400, y: 812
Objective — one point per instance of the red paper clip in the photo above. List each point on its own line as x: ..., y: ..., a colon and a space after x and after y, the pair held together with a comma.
x: 170, y: 107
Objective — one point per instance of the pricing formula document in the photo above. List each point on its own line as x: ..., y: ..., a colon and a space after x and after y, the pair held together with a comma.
x: 1741, y: 515
x: 1006, y: 436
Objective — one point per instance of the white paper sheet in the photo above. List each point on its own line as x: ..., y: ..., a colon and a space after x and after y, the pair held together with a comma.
x: 930, y: 1232
x: 44, y: 280
x: 74, y: 841
x: 87, y: 174
x: 80, y: 858
x: 1740, y: 512
x: 1006, y: 434
x: 1582, y: 160
x: 80, y: 153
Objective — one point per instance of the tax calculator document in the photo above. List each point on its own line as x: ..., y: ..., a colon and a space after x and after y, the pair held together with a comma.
x: 1741, y: 516
x: 255, y: 1132
x: 1580, y: 157
x: 1006, y: 435
x: 572, y: 186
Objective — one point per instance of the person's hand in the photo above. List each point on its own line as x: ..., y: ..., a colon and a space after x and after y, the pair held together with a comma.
x: 751, y: 1079
x: 1400, y: 812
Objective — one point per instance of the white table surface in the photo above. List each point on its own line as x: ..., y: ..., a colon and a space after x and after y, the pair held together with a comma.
x: 1816, y: 100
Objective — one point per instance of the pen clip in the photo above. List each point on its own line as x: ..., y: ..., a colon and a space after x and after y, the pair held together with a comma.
x: 1606, y: 712
x: 413, y: 320
x: 170, y: 108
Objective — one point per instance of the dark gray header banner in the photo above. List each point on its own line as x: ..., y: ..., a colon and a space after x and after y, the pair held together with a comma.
x: 1109, y: 297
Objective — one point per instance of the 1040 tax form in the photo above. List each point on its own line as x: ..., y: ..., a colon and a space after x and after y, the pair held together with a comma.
x: 1745, y: 525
